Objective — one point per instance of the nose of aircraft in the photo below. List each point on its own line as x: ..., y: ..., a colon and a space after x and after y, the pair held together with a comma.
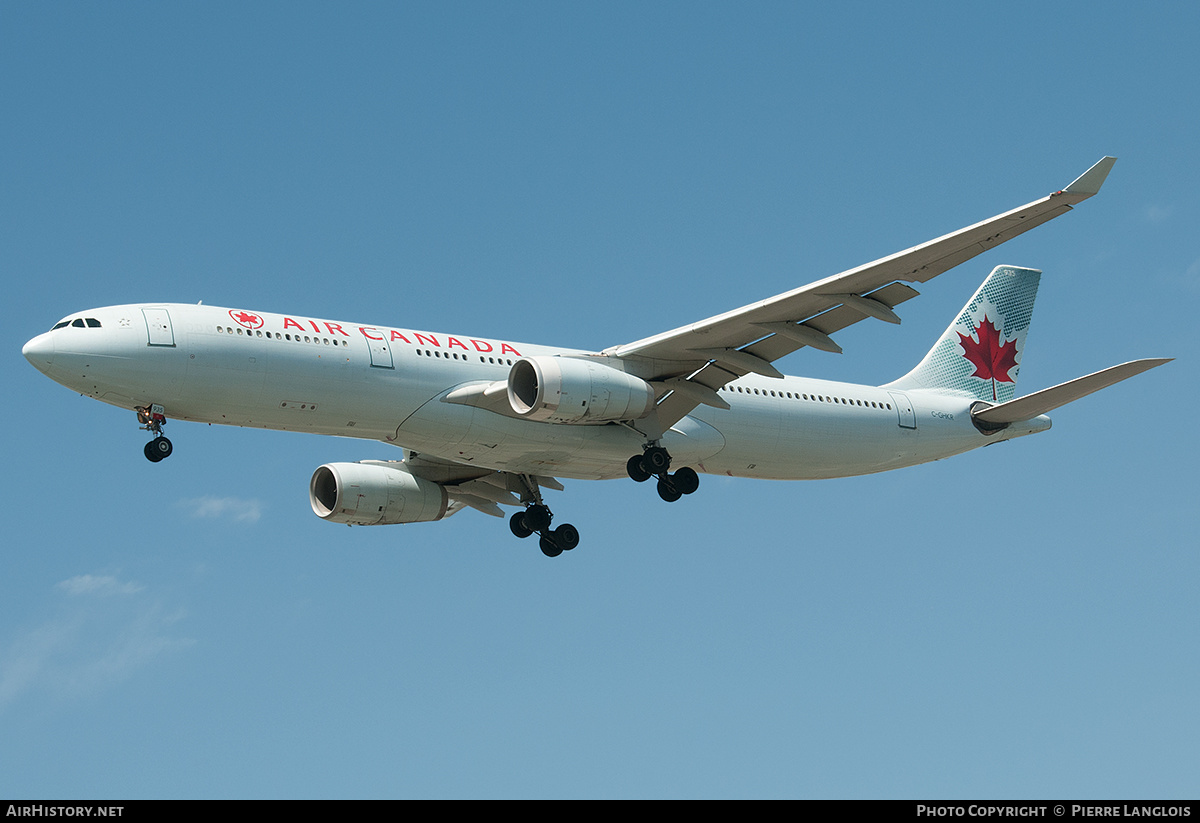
x: 40, y: 352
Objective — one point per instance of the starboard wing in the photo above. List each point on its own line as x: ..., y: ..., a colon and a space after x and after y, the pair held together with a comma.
x: 714, y: 351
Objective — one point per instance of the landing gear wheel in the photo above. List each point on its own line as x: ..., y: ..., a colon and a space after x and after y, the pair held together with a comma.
x: 667, y: 490
x: 517, y: 524
x: 656, y: 460
x: 152, y: 419
x: 550, y: 546
x: 157, y: 449
x: 686, y: 480
x: 566, y: 537
x: 536, y: 518
x: 636, y: 468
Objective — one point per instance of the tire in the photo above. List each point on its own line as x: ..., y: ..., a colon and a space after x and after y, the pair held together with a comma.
x: 668, y: 491
x: 550, y: 547
x: 656, y: 460
x: 566, y: 536
x: 151, y: 453
x: 636, y: 468
x: 161, y: 446
x: 536, y: 518
x: 517, y: 524
x: 686, y: 480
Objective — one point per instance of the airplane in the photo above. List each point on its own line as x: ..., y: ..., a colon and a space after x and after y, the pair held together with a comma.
x: 485, y: 422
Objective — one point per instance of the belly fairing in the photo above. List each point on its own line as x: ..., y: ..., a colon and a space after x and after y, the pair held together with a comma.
x: 474, y: 435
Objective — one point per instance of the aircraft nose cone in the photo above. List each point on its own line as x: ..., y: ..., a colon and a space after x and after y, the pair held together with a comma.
x: 40, y: 352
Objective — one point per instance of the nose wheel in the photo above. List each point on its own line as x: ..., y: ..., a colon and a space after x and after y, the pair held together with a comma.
x: 656, y: 462
x: 153, y: 419
x: 159, y: 448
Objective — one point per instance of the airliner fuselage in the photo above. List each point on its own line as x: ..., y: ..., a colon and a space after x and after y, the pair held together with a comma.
x: 261, y: 370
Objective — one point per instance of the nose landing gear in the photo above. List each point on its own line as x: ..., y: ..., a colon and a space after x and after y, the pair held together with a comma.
x: 655, y: 461
x: 153, y: 418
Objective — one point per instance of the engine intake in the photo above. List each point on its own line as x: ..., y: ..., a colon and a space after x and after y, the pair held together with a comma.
x: 374, y: 494
x: 575, y: 390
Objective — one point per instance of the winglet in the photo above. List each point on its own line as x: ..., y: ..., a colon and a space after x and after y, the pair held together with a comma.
x: 1091, y: 180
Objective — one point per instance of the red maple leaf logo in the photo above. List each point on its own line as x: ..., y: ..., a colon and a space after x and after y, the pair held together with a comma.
x: 245, y: 318
x: 992, y: 358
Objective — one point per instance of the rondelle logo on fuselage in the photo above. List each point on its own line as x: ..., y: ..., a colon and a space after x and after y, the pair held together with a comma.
x: 246, y: 319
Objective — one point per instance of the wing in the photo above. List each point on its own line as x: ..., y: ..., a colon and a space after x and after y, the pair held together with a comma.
x: 693, y: 361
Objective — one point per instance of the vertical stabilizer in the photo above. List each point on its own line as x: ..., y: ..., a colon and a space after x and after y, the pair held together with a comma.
x: 980, y: 354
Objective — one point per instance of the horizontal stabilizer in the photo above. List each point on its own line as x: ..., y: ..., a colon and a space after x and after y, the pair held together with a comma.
x: 1030, y: 406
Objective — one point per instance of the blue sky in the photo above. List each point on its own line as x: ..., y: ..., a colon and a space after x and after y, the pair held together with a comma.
x: 1016, y: 622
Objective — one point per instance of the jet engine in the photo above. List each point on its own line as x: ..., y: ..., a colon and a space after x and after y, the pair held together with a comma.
x: 574, y: 390
x: 374, y: 494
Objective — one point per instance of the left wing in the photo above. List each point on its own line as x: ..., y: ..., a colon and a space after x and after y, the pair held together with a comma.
x: 694, y: 360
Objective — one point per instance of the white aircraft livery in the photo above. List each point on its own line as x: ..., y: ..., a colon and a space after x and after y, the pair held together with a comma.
x: 486, y: 422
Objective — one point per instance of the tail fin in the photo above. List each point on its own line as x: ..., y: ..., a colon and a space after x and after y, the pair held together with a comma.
x: 980, y: 354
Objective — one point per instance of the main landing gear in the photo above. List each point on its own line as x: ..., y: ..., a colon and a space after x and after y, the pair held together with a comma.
x: 153, y: 419
x: 655, y: 461
x: 536, y: 519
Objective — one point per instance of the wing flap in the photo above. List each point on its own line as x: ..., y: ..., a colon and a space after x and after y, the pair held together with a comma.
x: 779, y: 344
x: 477, y: 503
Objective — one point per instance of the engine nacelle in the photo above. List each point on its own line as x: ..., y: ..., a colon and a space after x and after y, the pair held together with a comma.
x: 374, y: 494
x: 571, y: 390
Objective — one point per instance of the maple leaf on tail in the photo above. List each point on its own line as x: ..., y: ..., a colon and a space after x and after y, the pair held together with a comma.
x: 992, y: 358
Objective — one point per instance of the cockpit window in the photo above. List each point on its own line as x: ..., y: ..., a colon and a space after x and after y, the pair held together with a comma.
x: 79, y: 323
